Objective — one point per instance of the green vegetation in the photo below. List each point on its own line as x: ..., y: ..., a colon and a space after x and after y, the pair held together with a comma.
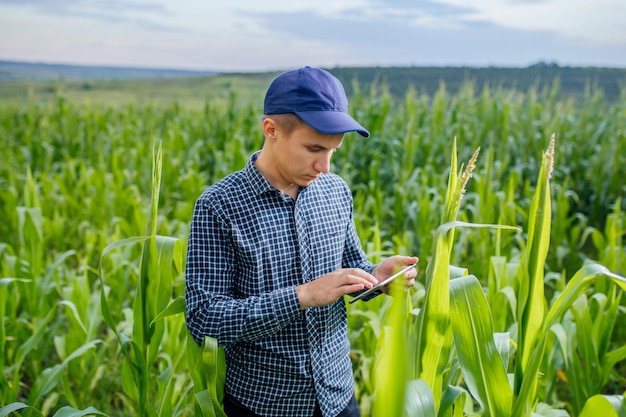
x: 188, y: 92
x: 22, y: 82
x: 571, y: 81
x: 521, y: 270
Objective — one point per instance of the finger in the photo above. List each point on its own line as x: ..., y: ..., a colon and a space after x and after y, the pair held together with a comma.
x: 361, y: 275
x: 407, y: 260
x: 352, y: 288
x: 355, y: 280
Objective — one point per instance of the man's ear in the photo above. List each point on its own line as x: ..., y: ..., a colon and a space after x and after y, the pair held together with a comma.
x: 269, y: 128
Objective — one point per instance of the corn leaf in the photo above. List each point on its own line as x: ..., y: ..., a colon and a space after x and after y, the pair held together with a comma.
x: 17, y: 406
x: 531, y: 299
x: 104, y: 305
x: 207, y: 366
x: 605, y: 406
x: 159, y: 292
x: 419, y: 400
x: 434, y: 338
x: 177, y: 306
x: 50, y: 377
x: 482, y: 365
x: 452, y: 402
x: 391, y: 371
x: 72, y: 412
x: 575, y: 287
x: 204, y: 404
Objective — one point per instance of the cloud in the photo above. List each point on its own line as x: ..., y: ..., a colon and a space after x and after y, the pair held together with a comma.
x: 594, y: 22
x: 399, y: 33
x: 148, y: 15
x: 80, y: 6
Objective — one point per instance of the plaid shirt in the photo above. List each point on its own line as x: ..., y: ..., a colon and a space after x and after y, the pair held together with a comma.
x: 249, y: 247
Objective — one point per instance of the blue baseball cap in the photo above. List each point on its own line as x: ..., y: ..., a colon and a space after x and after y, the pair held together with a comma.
x: 316, y: 97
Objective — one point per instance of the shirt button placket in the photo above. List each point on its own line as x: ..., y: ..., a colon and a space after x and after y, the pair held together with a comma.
x: 311, y: 314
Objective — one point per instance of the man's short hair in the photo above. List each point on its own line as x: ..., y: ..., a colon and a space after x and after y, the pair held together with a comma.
x: 287, y: 122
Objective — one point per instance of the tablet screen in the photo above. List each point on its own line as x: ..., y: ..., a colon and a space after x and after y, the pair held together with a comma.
x: 382, y: 283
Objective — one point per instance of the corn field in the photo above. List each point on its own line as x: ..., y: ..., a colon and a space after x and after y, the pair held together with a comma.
x: 513, y: 201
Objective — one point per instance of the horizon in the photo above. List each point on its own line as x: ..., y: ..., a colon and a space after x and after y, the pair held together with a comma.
x: 211, y: 71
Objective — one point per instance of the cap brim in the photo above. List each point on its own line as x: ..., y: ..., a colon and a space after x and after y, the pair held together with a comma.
x: 332, y: 122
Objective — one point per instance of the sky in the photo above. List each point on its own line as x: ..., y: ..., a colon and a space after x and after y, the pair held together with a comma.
x: 268, y: 35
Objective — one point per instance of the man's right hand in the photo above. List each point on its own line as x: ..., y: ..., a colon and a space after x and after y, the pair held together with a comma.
x: 329, y: 288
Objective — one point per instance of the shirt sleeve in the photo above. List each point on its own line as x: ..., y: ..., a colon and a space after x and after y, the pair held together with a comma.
x: 210, y: 275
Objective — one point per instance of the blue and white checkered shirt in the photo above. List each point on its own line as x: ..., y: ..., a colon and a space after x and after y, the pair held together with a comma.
x: 249, y: 247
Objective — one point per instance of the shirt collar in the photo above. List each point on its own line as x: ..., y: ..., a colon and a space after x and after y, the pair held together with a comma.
x: 257, y: 181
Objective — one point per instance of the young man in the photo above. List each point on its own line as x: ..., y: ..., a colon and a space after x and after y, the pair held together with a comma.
x: 273, y: 250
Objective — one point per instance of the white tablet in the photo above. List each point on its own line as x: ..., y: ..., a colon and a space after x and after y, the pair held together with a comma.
x: 382, y: 283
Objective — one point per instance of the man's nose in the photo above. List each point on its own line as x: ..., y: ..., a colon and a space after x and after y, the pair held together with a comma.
x: 322, y: 164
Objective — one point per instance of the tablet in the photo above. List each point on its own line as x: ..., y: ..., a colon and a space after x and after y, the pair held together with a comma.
x: 382, y: 283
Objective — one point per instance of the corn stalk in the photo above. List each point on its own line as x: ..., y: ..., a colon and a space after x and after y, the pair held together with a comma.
x: 161, y: 256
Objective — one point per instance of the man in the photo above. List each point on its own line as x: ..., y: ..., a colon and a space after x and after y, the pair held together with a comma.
x: 273, y: 250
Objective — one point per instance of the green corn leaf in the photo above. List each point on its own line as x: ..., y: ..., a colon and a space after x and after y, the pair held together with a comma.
x: 207, y: 365
x: 545, y: 410
x: 214, y: 366
x: 434, y: 337
x: 135, y: 375
x: 73, y: 412
x: 503, y: 345
x: 130, y: 380
x: 72, y: 307
x: 4, y: 282
x: 482, y: 365
x: 204, y: 404
x: 612, y: 358
x: 159, y: 293
x: 50, y: 377
x: 17, y: 406
x: 391, y: 373
x: 531, y: 299
x: 104, y: 305
x: 583, y: 278
x: 26, y: 347
x: 434, y: 317
x: 605, y: 406
x: 419, y: 399
x: 119, y: 244
x: 177, y: 306
x: 453, y: 402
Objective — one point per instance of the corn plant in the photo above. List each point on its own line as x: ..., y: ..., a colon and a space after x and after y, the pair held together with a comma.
x: 161, y: 258
x: 427, y: 383
x: 37, y: 288
x: 482, y: 355
x: 148, y: 345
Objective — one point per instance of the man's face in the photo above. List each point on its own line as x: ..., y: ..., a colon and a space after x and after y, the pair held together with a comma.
x: 305, y: 154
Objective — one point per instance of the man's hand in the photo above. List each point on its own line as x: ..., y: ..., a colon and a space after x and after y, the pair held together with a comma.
x: 329, y: 288
x: 393, y: 264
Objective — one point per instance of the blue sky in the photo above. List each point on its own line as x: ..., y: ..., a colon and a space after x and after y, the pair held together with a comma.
x: 259, y: 35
